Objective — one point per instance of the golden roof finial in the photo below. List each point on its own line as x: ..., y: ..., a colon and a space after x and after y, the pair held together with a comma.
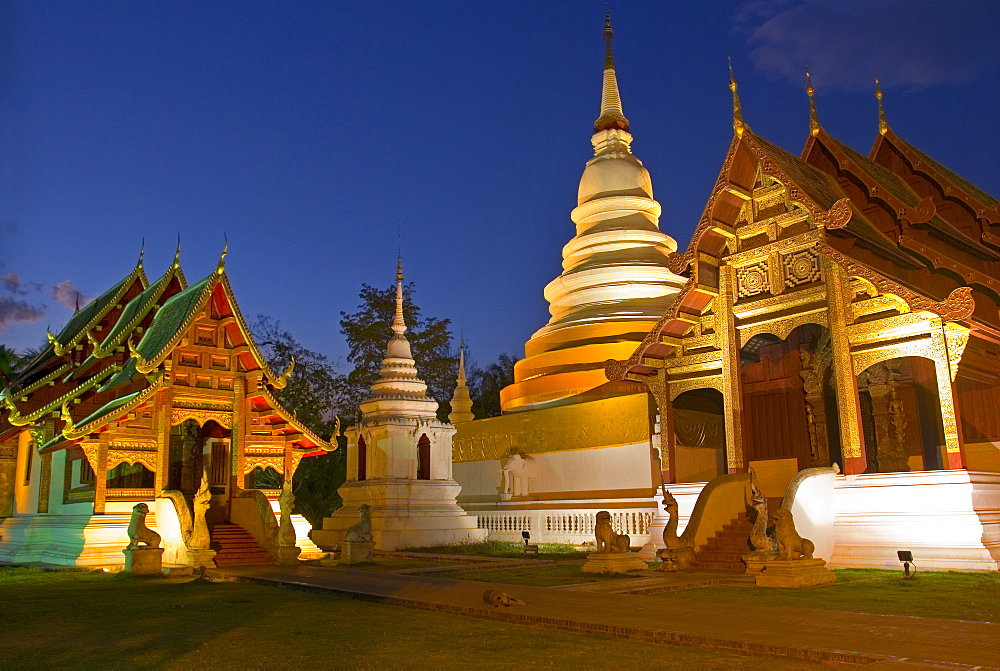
x: 738, y: 124
x: 221, y: 267
x: 883, y: 125
x: 177, y: 254
x: 609, y: 59
x: 813, y: 117
x: 142, y: 253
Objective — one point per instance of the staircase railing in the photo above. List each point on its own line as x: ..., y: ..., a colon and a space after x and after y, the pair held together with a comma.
x: 252, y: 511
x: 720, y: 501
x: 184, y: 540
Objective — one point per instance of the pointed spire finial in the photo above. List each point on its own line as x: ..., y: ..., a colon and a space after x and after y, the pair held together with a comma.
x: 738, y: 125
x: 461, y: 400
x: 221, y: 267
x: 398, y: 325
x: 609, y: 58
x: 883, y: 125
x: 813, y: 117
x: 142, y: 253
x: 612, y: 116
x: 177, y: 254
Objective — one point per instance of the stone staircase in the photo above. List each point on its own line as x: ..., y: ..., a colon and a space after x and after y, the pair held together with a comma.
x: 236, y: 547
x: 724, y: 551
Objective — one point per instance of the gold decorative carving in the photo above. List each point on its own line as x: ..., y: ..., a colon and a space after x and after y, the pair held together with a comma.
x: 752, y: 280
x: 881, y: 381
x: 90, y: 451
x: 145, y: 457
x: 815, y: 369
x: 801, y: 267
x: 8, y: 451
x: 277, y: 462
x: 604, y: 423
x: 956, y: 337
x: 201, y: 416
x: 678, y: 387
x: 838, y: 215
x: 959, y: 304
x: 45, y: 483
x: 782, y: 327
x: 130, y: 494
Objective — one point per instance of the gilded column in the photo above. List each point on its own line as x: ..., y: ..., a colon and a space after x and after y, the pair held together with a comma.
x: 732, y: 389
x: 238, y: 434
x: 101, y: 474
x: 163, y: 419
x: 852, y: 438
x: 660, y: 389
x: 45, y: 483
x: 943, y: 367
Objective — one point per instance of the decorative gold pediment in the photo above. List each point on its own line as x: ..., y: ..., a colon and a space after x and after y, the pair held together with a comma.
x: 201, y: 416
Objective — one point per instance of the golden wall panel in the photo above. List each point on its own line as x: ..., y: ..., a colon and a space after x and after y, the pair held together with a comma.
x: 611, y: 422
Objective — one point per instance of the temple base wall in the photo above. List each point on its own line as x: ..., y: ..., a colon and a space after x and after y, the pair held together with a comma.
x: 949, y: 519
x: 404, y: 513
x: 69, y: 540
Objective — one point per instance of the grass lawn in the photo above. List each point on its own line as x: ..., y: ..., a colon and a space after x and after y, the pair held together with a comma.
x: 507, y: 549
x: 949, y: 595
x: 100, y: 621
x: 538, y: 576
x: 393, y: 564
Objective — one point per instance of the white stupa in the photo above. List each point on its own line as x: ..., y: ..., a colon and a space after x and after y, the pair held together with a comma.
x: 399, y: 461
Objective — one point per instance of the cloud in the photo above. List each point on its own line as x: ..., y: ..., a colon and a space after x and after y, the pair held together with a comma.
x: 12, y: 283
x: 69, y: 296
x: 16, y: 311
x: 845, y: 43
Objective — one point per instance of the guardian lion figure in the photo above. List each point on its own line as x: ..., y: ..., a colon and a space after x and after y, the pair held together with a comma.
x: 790, y: 544
x: 362, y: 531
x: 607, y: 540
x: 138, y: 532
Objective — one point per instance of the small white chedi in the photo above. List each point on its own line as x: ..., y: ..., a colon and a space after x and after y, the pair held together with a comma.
x: 399, y: 461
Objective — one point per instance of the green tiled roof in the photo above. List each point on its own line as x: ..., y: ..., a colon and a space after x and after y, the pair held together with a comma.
x: 171, y: 317
x: 108, y: 408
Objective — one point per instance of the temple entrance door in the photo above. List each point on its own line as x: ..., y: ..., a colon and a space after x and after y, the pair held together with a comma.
x: 194, y: 451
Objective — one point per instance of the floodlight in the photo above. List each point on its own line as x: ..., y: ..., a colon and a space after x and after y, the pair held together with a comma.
x: 906, y: 557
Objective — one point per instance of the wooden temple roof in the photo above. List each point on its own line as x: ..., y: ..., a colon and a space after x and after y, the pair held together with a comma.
x: 112, y: 357
x: 896, y: 218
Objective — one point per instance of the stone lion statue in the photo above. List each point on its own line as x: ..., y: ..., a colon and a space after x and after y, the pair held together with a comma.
x: 607, y: 540
x: 362, y: 531
x: 790, y: 544
x: 138, y: 532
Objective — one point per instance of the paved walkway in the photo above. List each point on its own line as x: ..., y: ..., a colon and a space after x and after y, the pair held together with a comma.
x: 824, y: 636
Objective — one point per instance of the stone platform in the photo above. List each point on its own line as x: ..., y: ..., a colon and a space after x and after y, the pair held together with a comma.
x: 795, y: 573
x: 613, y: 562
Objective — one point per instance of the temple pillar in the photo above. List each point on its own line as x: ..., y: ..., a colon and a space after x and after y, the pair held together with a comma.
x: 101, y: 474
x: 660, y: 389
x: 852, y: 439
x: 732, y: 388
x: 163, y: 416
x: 946, y: 357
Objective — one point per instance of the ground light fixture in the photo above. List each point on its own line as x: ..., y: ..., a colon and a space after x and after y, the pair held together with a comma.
x: 906, y: 557
x: 529, y: 549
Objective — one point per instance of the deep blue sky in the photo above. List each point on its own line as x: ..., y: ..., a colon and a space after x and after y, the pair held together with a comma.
x: 313, y: 133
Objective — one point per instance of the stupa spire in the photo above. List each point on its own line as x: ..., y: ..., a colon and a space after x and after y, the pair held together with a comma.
x: 461, y: 401
x: 813, y: 116
x: 399, y: 390
x: 883, y: 125
x: 611, y: 103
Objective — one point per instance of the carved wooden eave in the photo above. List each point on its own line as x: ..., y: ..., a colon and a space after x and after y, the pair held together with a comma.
x: 287, y: 427
x: 984, y: 208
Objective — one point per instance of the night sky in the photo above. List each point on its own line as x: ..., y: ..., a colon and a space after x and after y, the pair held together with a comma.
x: 314, y: 134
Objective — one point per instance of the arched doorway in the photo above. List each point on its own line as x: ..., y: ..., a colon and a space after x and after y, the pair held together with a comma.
x: 789, y: 399
x: 699, y: 452
x: 424, y: 458
x: 901, y: 415
x: 198, y: 451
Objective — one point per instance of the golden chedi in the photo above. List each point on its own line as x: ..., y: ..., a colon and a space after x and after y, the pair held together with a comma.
x: 615, y: 282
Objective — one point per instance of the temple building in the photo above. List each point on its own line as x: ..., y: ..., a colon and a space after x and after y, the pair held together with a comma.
x: 832, y: 328
x: 841, y: 313
x: 573, y: 441
x: 153, y: 393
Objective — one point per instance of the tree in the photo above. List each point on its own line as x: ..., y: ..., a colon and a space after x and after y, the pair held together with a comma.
x: 368, y: 331
x: 315, y: 394
x: 10, y: 363
x: 485, y: 385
